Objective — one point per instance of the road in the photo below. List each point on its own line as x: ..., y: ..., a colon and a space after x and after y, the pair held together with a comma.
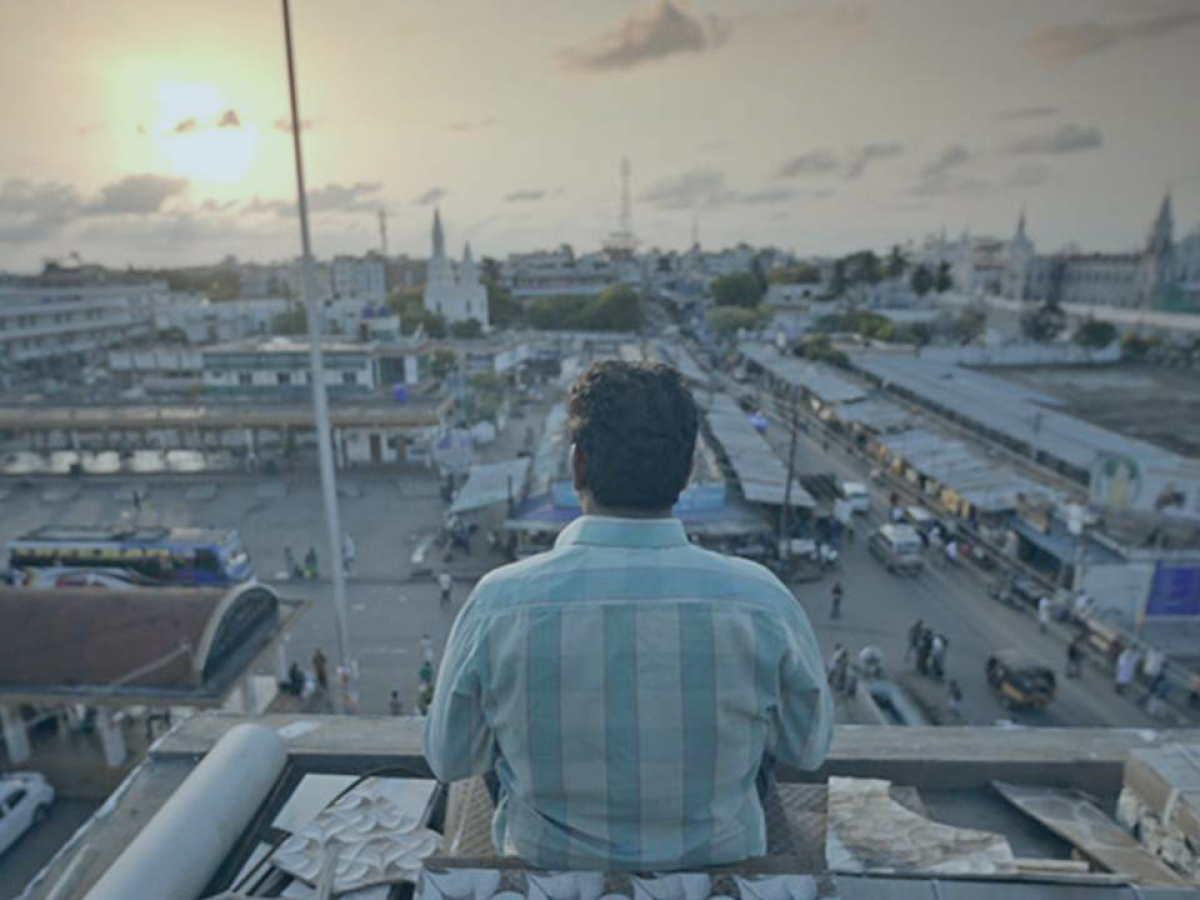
x: 879, y: 607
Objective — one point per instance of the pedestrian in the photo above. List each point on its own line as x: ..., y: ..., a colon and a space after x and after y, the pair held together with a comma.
x: 1083, y: 605
x: 954, y: 698
x: 914, y: 639
x: 1126, y: 667
x: 295, y: 679
x: 319, y: 669
x: 394, y: 705
x: 424, y: 697
x: 425, y: 673
x: 1075, y: 657
x: 835, y: 611
x: 445, y: 582
x: 137, y: 501
x: 897, y: 513
x: 310, y: 564
x: 937, y: 656
x: 839, y: 663
x: 348, y: 553
x: 870, y: 662
x: 1043, y: 613
x: 427, y: 648
x: 951, y: 550
x: 924, y: 648
x: 289, y: 563
x: 1153, y: 672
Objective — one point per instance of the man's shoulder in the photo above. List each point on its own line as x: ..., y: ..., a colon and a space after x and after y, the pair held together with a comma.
x: 521, y: 573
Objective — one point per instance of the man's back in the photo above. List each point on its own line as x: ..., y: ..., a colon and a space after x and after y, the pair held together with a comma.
x: 626, y: 687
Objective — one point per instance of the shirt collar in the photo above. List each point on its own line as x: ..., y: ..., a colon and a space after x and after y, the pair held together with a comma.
x: 611, y: 531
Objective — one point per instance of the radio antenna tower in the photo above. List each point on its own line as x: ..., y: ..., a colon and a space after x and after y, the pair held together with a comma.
x: 383, y: 231
x: 622, y: 242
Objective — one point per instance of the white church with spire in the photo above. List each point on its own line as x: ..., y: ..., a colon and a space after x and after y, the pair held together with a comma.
x: 455, y: 297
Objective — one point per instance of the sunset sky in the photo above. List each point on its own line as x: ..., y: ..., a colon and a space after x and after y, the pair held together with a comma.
x: 152, y: 131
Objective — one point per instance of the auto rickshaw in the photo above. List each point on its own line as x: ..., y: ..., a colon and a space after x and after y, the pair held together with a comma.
x: 1021, y: 682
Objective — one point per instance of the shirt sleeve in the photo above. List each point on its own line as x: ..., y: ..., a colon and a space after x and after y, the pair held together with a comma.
x: 458, y: 740
x: 804, y: 723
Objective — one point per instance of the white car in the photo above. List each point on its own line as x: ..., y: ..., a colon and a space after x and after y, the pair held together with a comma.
x: 25, y: 799
x: 856, y: 494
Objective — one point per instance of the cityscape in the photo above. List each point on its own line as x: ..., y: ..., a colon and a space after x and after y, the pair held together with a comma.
x: 305, y: 334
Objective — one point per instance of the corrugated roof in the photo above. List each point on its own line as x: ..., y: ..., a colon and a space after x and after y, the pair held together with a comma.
x: 812, y: 377
x: 1020, y: 413
x: 762, y: 475
x: 489, y: 484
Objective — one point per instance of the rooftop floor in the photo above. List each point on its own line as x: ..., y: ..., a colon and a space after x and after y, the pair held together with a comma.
x: 1154, y: 404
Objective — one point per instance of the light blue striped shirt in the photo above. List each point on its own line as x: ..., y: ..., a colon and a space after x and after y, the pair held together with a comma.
x: 625, y: 687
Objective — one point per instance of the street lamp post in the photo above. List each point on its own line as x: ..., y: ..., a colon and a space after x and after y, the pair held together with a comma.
x: 347, y: 670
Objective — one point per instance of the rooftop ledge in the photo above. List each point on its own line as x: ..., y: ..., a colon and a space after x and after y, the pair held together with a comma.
x: 951, y: 770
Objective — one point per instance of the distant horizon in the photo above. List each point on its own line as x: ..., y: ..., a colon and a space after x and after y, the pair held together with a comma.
x: 159, y: 138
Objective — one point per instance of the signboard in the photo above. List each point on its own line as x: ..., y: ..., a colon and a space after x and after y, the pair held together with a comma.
x: 1167, y: 488
x: 1174, y: 590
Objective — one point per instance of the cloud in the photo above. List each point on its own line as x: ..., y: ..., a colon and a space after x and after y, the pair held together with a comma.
x: 1028, y: 175
x: 362, y: 196
x: 940, y: 175
x: 843, y: 20
x: 135, y: 195
x: 1076, y: 40
x: 525, y: 196
x: 702, y: 187
x: 1028, y: 112
x: 357, y: 197
x: 708, y: 188
x: 1063, y: 139
x: 32, y: 212
x: 433, y: 195
x: 664, y: 31
x: 951, y: 158
x: 766, y: 197
x: 473, y: 124
x: 229, y: 119
x: 285, y: 125
x: 186, y: 126
x: 90, y: 128
x: 850, y: 163
x: 815, y: 162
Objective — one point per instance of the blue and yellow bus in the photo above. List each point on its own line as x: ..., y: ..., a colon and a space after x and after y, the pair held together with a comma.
x: 65, y: 556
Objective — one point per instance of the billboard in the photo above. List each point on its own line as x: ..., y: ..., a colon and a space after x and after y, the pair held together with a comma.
x: 1166, y: 487
x: 1174, y: 590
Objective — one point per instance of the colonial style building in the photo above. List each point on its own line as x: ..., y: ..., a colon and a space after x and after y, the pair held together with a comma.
x: 1162, y: 275
x: 455, y: 298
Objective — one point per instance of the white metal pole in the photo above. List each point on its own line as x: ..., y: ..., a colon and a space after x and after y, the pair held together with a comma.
x: 320, y: 399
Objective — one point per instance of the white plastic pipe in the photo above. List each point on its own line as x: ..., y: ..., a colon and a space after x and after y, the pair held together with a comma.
x: 180, y: 849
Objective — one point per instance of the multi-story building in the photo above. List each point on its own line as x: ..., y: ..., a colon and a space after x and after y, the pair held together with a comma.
x: 1159, y: 276
x: 560, y: 273
x: 44, y: 327
x: 203, y: 322
x: 359, y: 278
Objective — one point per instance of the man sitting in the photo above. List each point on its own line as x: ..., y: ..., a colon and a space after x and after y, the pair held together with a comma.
x: 629, y: 690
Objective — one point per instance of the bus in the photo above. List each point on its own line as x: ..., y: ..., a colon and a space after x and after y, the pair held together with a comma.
x: 58, y: 556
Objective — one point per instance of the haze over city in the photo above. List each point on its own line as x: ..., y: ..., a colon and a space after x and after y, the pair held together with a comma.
x: 814, y: 126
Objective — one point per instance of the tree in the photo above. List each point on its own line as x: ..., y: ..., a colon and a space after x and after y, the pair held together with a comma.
x: 444, y: 362
x: 738, y: 289
x: 1044, y: 324
x: 897, y: 262
x: 1096, y: 334
x: 943, y: 280
x: 800, y: 273
x: 837, y: 282
x: 503, y: 310
x: 469, y: 330
x: 726, y: 321
x: 970, y: 325
x: 618, y: 308
x: 921, y: 281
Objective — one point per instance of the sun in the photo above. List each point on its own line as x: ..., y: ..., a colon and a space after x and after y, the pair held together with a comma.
x: 198, y: 139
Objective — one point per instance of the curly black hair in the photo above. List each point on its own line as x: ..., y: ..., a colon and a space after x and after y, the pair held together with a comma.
x: 636, y: 424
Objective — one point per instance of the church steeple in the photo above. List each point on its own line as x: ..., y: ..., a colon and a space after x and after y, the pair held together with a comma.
x: 468, y: 276
x: 439, y: 239
x: 1021, y: 224
x: 1162, y: 232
